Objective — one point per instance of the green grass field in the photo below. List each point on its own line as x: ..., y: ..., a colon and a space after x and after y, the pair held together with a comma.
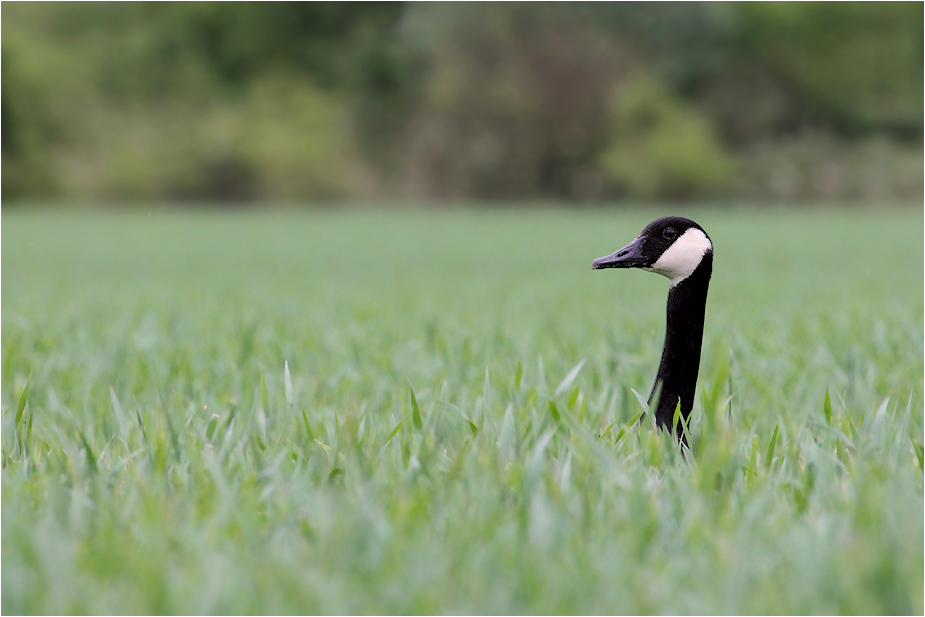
x: 413, y: 412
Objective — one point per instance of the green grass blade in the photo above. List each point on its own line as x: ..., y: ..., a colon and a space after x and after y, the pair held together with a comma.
x: 753, y: 460
x: 567, y: 381
x: 308, y: 426
x: 573, y: 398
x: 642, y: 401
x: 606, y: 430
x: 28, y: 439
x: 287, y: 384
x: 265, y: 397
x: 88, y: 452
x: 415, y: 410
x: 394, y: 432
x: 919, y: 453
x: 827, y: 407
x: 769, y: 456
x: 554, y: 412
x: 210, y: 428
x: 23, y: 398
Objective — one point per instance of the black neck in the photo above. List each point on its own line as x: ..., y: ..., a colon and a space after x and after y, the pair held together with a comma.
x: 680, y: 364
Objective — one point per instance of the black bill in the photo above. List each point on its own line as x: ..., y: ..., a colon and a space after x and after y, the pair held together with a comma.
x: 630, y: 256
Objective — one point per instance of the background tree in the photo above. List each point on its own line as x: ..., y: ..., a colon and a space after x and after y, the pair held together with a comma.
x: 314, y: 102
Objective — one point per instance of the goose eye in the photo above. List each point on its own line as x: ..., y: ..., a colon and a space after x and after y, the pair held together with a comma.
x: 669, y: 233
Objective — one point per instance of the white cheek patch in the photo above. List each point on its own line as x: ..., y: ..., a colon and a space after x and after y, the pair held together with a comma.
x: 683, y: 256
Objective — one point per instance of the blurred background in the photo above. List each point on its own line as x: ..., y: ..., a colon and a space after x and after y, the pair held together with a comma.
x: 337, y: 103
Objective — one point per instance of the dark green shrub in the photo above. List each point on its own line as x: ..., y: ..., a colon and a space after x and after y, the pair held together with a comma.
x: 661, y: 147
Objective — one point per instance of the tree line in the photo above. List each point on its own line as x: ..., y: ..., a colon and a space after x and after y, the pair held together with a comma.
x: 326, y: 102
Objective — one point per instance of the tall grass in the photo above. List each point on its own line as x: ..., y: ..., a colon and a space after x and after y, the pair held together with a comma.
x: 434, y: 413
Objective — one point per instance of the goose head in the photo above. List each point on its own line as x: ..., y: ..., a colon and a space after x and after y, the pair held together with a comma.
x: 672, y: 246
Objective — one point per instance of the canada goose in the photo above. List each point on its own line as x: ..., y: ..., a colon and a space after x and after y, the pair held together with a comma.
x: 679, y: 249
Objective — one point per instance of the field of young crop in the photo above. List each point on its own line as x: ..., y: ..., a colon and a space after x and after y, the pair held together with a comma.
x: 433, y: 412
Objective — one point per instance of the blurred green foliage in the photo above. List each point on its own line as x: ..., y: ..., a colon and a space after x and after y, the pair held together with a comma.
x: 661, y: 147
x: 28, y: 130
x: 324, y: 101
x: 275, y: 140
x: 857, y: 65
